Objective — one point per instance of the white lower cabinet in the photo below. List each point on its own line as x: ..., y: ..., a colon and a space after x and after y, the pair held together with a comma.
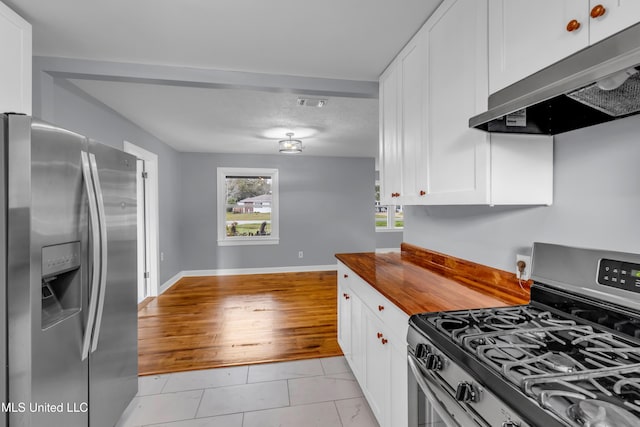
x: 376, y: 366
x: 344, y: 316
x: 372, y: 333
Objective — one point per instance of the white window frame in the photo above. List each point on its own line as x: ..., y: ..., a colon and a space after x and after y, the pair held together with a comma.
x: 223, y: 239
x: 391, y: 218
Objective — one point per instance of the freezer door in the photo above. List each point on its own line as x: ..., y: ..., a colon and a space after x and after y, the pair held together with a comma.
x: 114, y: 357
x: 46, y: 275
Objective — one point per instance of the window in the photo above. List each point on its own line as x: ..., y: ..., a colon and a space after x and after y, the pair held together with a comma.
x: 388, y: 217
x: 247, y: 206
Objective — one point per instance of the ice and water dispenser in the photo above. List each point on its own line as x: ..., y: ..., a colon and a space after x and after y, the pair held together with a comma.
x: 61, y: 282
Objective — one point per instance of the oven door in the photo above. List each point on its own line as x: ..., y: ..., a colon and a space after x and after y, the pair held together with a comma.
x: 426, y: 394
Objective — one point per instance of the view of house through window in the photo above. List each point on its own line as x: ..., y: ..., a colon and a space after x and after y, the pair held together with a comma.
x: 388, y: 217
x: 248, y: 202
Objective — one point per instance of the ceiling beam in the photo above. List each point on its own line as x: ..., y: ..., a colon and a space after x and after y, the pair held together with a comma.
x: 205, y: 78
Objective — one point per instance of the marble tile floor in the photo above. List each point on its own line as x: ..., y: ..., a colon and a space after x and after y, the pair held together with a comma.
x: 310, y: 393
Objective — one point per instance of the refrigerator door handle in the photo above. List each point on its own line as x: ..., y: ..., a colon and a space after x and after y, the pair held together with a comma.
x: 103, y: 251
x: 95, y: 239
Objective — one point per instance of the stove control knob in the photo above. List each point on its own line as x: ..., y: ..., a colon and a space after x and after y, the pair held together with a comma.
x: 465, y: 392
x: 422, y: 351
x: 510, y: 424
x: 433, y: 362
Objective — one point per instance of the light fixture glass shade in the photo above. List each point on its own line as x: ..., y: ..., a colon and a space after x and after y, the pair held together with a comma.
x: 290, y: 145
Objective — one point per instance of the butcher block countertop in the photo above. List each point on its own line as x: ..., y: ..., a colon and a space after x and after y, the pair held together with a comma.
x: 418, y: 280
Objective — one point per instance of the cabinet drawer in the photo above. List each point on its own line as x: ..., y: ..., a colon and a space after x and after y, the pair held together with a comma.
x: 345, y: 275
x: 396, y: 321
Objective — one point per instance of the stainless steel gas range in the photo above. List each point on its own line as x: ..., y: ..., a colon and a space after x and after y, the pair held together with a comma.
x: 571, y: 357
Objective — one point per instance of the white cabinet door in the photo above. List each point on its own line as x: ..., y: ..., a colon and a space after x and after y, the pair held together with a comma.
x: 15, y: 63
x: 526, y: 36
x: 611, y: 16
x: 458, y: 157
x: 412, y: 63
x: 390, y: 147
x: 344, y: 318
x: 350, y: 321
x: 356, y: 358
x: 376, y: 370
x: 399, y: 397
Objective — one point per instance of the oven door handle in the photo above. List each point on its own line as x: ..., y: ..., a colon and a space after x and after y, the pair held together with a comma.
x: 437, y: 403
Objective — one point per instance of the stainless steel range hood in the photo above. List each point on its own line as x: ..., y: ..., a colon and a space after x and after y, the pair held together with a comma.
x: 595, y: 85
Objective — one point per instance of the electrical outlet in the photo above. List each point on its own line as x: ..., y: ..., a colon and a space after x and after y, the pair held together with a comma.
x: 300, y: 254
x: 526, y: 272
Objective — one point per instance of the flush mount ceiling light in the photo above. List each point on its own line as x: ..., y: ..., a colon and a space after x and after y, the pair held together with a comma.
x: 290, y: 146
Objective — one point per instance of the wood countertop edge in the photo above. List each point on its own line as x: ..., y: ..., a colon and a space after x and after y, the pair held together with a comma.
x: 418, y: 280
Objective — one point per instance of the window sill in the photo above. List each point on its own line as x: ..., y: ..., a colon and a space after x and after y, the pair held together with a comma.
x: 389, y: 230
x: 248, y: 242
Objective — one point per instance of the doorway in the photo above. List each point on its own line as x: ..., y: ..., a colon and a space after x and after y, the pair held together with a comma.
x: 147, y: 214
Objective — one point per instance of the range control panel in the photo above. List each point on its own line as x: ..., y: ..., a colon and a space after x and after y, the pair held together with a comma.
x: 619, y: 274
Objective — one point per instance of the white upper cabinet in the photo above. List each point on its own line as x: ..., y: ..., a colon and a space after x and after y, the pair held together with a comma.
x: 441, y: 80
x: 412, y: 62
x: 390, y: 147
x: 526, y: 36
x: 611, y: 16
x: 458, y: 158
x: 15, y: 63
x: 402, y: 126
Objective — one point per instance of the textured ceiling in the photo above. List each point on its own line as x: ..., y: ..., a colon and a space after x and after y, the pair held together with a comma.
x: 333, y: 39
x: 242, y: 121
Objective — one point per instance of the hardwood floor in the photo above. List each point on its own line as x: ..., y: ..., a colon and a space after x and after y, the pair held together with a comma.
x: 210, y: 322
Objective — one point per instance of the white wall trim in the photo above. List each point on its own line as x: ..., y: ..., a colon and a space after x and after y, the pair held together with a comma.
x: 241, y: 271
x: 169, y: 283
x: 151, y: 164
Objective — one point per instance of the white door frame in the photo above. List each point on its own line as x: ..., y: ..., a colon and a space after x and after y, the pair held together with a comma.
x: 151, y: 167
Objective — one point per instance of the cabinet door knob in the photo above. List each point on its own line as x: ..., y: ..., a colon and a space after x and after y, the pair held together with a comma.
x: 380, y: 307
x: 598, y: 11
x: 379, y: 335
x: 573, y: 25
x: 346, y: 275
x: 384, y: 341
x: 346, y: 296
x: 422, y: 192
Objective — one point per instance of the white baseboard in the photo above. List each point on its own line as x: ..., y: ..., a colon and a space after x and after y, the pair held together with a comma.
x: 169, y: 283
x: 240, y: 271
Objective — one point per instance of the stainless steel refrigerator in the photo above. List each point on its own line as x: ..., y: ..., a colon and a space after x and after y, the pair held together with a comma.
x: 69, y: 277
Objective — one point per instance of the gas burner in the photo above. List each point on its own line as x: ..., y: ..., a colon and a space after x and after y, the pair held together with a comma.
x: 561, y: 363
x: 570, y: 358
x: 598, y: 413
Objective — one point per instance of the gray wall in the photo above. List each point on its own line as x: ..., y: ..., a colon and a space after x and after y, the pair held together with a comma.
x: 63, y: 104
x: 325, y: 208
x: 325, y: 202
x: 388, y: 239
x: 596, y: 204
